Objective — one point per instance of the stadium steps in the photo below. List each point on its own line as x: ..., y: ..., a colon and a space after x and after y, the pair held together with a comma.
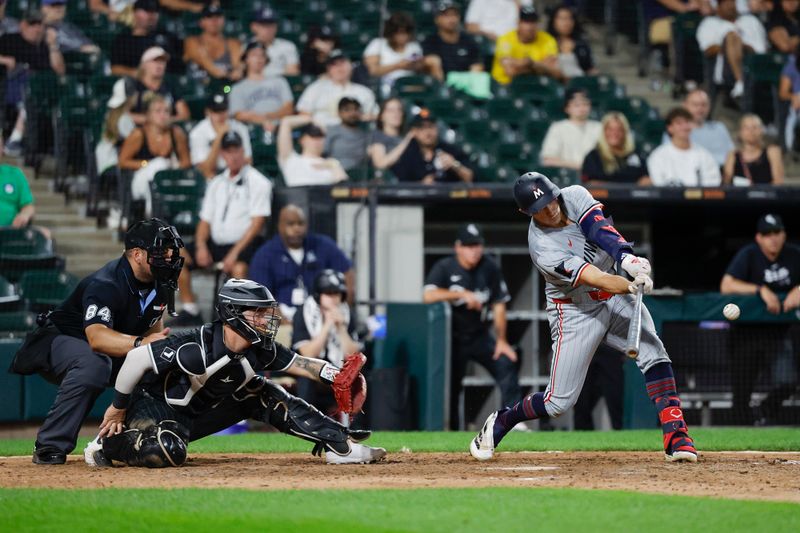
x: 76, y: 237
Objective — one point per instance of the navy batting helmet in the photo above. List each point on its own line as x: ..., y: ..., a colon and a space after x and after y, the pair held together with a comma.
x: 533, y: 191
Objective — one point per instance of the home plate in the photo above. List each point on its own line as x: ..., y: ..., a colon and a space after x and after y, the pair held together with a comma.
x: 522, y: 468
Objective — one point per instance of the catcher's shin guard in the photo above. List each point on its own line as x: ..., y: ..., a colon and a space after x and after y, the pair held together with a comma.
x: 678, y: 445
x: 295, y: 416
x: 158, y: 446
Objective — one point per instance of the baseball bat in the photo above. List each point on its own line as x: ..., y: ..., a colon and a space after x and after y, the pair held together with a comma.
x: 635, y: 326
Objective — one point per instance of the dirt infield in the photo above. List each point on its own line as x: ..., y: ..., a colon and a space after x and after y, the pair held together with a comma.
x: 747, y: 475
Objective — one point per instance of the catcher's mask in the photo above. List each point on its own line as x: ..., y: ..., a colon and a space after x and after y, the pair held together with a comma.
x: 250, y: 310
x: 162, y: 243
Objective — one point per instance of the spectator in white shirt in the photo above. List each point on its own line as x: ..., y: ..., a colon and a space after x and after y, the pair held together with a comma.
x: 680, y: 163
x: 283, y: 57
x: 568, y: 141
x: 235, y: 209
x: 308, y: 167
x: 712, y: 135
x: 493, y: 18
x: 205, y: 139
x: 729, y: 36
x: 397, y: 54
x: 320, y: 100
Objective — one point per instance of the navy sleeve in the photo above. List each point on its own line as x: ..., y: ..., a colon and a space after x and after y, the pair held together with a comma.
x: 438, y: 276
x: 100, y: 304
x: 739, y: 266
x: 336, y: 258
x: 259, y: 268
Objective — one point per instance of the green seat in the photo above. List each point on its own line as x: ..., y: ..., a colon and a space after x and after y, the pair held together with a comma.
x: 536, y: 126
x: 44, y: 289
x: 102, y: 86
x: 519, y: 155
x: 17, y: 321
x: 764, y: 67
x: 24, y: 242
x: 177, y: 195
x: 450, y: 110
x: 635, y: 109
x: 9, y: 298
x: 415, y: 87
x: 197, y: 106
x: 83, y: 65
x: 265, y: 154
x: 563, y: 177
x: 507, y: 109
x: 483, y: 132
x: 650, y: 131
x: 536, y: 89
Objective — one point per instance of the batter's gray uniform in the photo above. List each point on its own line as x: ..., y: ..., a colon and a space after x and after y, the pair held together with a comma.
x: 581, y: 317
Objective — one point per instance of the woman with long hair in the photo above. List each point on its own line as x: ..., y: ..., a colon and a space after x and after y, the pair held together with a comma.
x: 615, y: 160
x: 755, y: 162
x: 211, y: 53
x: 574, y: 54
x: 388, y: 142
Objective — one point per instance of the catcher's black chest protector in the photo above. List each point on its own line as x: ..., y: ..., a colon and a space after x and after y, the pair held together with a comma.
x: 196, y: 371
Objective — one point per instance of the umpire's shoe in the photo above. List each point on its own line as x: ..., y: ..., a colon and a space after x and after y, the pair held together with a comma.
x: 359, y: 454
x: 482, y: 446
x: 48, y: 456
x: 93, y: 454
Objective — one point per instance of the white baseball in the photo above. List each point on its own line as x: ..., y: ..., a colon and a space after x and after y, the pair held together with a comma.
x: 731, y: 311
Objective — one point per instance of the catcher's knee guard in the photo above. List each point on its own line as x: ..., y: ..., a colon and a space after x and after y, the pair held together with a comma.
x: 158, y: 446
x: 295, y: 416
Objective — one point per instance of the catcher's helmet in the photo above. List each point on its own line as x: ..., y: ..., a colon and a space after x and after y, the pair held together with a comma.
x: 240, y: 295
x: 162, y: 243
x: 330, y: 281
x: 533, y: 191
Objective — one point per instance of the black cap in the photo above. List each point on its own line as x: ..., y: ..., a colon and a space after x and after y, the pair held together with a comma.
x: 150, y: 6
x: 423, y: 117
x: 211, y: 10
x: 469, y: 234
x: 312, y: 130
x: 33, y: 15
x: 769, y: 223
x: 528, y: 14
x: 446, y: 5
x: 230, y: 140
x: 348, y: 100
x: 144, y: 233
x: 250, y: 46
x: 265, y: 14
x: 334, y: 56
x: 217, y: 102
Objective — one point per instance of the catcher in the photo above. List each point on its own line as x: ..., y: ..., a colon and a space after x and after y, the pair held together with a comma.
x: 186, y: 387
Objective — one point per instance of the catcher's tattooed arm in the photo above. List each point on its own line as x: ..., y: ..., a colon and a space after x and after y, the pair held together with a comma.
x: 316, y: 369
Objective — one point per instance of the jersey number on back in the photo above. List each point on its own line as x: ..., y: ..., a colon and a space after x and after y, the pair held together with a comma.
x: 103, y: 313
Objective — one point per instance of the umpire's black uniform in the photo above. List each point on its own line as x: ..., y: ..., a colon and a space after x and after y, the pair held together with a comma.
x: 470, y: 331
x: 60, y: 352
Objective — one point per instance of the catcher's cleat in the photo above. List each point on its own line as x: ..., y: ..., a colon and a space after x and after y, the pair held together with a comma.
x: 93, y: 454
x: 359, y: 454
x: 482, y: 446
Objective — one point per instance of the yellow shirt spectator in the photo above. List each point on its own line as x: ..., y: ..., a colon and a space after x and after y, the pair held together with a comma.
x: 509, y: 45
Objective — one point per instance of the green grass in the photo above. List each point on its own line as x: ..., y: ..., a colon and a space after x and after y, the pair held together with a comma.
x: 707, y: 439
x: 423, y: 510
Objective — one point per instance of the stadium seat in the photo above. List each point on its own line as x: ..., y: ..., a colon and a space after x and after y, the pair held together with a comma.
x: 102, y: 85
x: 24, y: 241
x: 522, y: 156
x: 536, y: 89
x: 83, y: 65
x: 482, y: 132
x: 197, y: 106
x: 415, y: 88
x: 44, y: 289
x: 507, y: 109
x: 761, y: 75
x: 177, y: 195
x: 563, y: 177
x: 19, y: 322
x: 9, y: 298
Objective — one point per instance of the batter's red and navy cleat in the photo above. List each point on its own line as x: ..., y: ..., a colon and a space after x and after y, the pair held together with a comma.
x: 678, y: 445
x: 482, y: 446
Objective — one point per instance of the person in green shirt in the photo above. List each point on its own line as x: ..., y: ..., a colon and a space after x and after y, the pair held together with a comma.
x: 16, y: 200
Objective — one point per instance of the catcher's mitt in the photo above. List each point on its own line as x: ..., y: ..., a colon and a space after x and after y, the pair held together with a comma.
x: 349, y: 385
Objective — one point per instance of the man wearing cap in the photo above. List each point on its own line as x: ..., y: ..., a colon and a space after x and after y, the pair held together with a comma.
x: 70, y: 37
x: 320, y: 100
x: 493, y: 18
x: 234, y: 213
x: 308, y: 167
x: 283, y: 57
x: 347, y: 142
x: 525, y: 50
x: 34, y: 48
x: 457, y: 51
x: 205, y: 139
x: 128, y: 47
x: 769, y: 268
x: 568, y: 141
x: 428, y: 160
x: 211, y: 53
x: 82, y: 343
x: 151, y: 80
x: 473, y: 285
x: 259, y: 99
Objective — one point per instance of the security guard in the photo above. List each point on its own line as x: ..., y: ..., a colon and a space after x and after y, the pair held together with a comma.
x: 474, y: 285
x: 81, y: 344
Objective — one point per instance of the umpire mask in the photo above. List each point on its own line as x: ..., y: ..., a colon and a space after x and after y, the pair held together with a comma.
x: 162, y: 243
x: 250, y: 310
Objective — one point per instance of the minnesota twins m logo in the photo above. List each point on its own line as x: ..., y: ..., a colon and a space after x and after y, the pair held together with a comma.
x: 538, y: 193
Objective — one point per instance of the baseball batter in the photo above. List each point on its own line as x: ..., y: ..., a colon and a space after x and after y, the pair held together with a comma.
x: 575, y: 247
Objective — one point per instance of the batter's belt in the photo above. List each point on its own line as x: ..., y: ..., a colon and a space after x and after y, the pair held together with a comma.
x: 597, y: 296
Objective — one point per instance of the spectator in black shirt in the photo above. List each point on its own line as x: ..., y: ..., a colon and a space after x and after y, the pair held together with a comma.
x: 457, y: 51
x: 127, y: 49
x: 149, y: 80
x: 429, y: 160
x: 615, y: 159
x: 319, y: 45
x: 768, y: 267
x: 574, y: 54
x: 783, y: 26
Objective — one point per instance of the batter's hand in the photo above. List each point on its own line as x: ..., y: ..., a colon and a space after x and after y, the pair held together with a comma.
x: 643, y: 280
x: 634, y: 265
x: 503, y: 348
x: 113, y: 420
x: 770, y: 300
x: 792, y: 300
